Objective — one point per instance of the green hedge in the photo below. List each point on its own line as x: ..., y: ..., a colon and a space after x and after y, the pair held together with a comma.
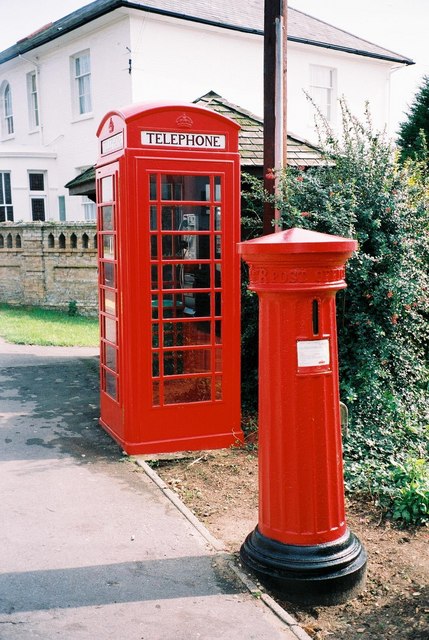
x: 383, y: 315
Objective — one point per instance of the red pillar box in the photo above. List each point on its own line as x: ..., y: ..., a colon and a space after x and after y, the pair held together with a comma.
x: 301, y: 547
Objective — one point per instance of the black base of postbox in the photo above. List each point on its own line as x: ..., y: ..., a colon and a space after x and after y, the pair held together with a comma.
x: 324, y: 574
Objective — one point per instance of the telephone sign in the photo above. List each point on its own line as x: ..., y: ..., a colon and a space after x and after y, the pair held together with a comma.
x: 180, y: 139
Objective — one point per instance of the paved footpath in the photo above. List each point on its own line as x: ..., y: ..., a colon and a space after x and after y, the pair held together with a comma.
x: 90, y: 547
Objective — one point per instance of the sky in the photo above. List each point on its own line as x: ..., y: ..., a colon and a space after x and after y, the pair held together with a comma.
x: 398, y: 25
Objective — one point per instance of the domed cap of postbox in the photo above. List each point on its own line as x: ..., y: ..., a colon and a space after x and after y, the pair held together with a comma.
x: 297, y: 240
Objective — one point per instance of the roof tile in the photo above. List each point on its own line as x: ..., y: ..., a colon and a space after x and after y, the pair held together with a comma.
x: 244, y: 15
x: 251, y: 135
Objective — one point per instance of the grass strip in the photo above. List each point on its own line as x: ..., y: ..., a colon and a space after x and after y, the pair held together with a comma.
x: 34, y: 325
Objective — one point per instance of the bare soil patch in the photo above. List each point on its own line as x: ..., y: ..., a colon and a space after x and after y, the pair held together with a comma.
x: 221, y: 488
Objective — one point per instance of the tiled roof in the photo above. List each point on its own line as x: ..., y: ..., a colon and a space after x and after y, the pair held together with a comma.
x: 306, y: 29
x: 82, y: 179
x: 241, y: 15
x: 251, y: 141
x: 251, y: 136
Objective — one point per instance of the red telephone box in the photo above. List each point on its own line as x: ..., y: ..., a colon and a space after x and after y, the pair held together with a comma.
x: 168, y: 201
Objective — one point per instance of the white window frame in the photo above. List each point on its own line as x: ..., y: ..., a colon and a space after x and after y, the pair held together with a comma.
x: 323, y: 90
x: 38, y: 194
x: 62, y: 210
x: 89, y: 209
x: 81, y: 78
x: 8, y: 128
x: 6, y: 207
x: 33, y: 101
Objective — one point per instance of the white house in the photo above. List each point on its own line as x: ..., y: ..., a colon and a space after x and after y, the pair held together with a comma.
x: 57, y: 83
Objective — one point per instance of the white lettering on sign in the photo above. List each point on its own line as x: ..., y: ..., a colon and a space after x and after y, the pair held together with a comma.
x: 313, y: 353
x: 181, y: 139
x: 113, y: 143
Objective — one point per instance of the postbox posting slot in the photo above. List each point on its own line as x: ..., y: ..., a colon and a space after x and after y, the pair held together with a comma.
x: 315, y: 317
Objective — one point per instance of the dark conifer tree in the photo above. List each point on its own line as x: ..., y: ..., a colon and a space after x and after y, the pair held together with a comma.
x: 413, y: 134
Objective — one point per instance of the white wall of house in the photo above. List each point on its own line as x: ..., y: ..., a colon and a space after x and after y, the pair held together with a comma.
x: 181, y: 60
x: 20, y: 163
x: 63, y: 134
x: 357, y: 78
x: 171, y: 59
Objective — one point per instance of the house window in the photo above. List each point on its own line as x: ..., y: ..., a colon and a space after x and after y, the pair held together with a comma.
x: 322, y: 89
x: 89, y: 209
x: 33, y: 101
x: 37, y: 184
x: 37, y: 181
x: 81, y: 65
x: 6, y: 208
x: 7, y: 112
x: 62, y: 208
x: 38, y: 209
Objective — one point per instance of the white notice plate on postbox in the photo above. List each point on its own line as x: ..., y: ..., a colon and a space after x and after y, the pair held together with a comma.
x: 313, y: 353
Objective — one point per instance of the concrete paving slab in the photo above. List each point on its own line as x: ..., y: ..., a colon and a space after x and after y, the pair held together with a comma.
x: 90, y: 547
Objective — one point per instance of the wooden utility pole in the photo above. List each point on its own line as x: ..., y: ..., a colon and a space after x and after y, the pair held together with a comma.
x: 275, y: 72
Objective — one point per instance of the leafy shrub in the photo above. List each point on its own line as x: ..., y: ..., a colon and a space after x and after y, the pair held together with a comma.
x: 411, y: 497
x: 72, y: 308
x: 251, y: 227
x: 383, y: 315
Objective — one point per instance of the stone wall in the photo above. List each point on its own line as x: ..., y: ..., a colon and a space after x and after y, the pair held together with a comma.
x: 49, y: 264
